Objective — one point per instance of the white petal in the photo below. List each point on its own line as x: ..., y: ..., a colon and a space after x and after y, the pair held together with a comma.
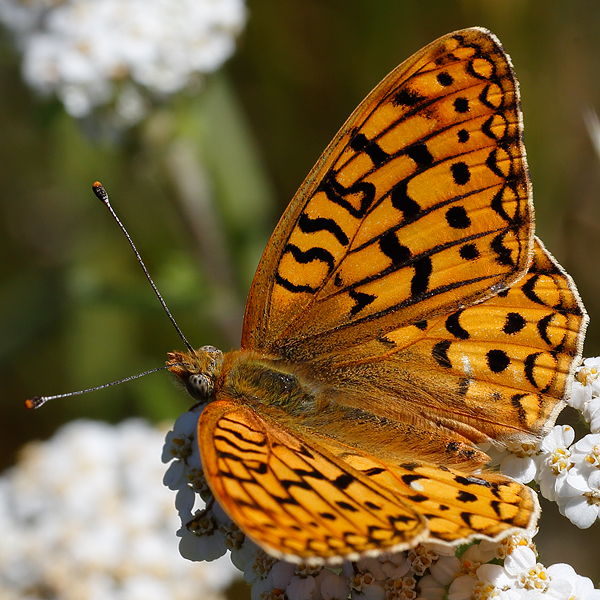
x: 300, y: 588
x: 580, y: 512
x: 446, y: 569
x: 523, y: 469
x: 521, y: 559
x: 332, y: 586
x: 462, y: 588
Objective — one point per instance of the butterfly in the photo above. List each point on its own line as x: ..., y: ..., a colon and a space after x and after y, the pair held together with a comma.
x: 402, y: 313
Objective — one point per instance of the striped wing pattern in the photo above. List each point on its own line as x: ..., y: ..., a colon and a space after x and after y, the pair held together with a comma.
x: 348, y: 503
x: 421, y: 203
x: 498, y: 369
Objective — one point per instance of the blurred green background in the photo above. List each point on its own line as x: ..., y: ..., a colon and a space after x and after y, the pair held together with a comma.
x: 75, y: 309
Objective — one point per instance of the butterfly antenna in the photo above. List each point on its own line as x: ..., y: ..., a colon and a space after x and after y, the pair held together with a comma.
x: 103, y: 197
x: 38, y: 401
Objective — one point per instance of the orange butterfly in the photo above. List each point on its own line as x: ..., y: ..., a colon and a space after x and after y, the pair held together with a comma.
x: 402, y: 313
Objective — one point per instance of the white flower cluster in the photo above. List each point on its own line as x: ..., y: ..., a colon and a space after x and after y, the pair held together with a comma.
x: 82, y: 517
x: 427, y: 571
x: 96, y: 52
x: 568, y: 473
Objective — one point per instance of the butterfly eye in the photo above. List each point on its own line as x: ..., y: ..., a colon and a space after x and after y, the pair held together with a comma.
x: 199, y: 386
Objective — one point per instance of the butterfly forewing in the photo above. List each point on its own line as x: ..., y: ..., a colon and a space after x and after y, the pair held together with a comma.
x: 420, y: 204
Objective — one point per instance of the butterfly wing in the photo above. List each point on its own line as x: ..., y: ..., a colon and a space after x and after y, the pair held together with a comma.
x: 399, y: 285
x: 293, y: 498
x: 496, y: 370
x: 313, y: 499
x: 421, y: 204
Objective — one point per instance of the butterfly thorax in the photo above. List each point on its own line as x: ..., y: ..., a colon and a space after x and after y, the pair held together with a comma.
x: 271, y: 384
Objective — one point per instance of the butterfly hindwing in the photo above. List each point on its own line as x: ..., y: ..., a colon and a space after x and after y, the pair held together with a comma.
x: 457, y: 506
x: 349, y: 503
x: 420, y: 204
x: 293, y: 497
x: 499, y: 369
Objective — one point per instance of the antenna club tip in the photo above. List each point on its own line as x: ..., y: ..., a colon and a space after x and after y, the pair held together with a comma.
x: 32, y: 403
x: 100, y: 192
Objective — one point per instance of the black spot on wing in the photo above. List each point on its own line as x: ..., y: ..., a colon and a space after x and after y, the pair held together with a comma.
x: 454, y: 327
x: 440, y: 353
x: 452, y: 447
x: 472, y: 480
x: 457, y: 217
x: 407, y: 97
x: 361, y: 300
x: 393, y: 249
x: 408, y: 479
x: 461, y: 105
x: 304, y: 451
x: 514, y: 323
x: 409, y: 466
x: 308, y: 225
x: 497, y: 360
x: 346, y: 506
x: 400, y: 519
x: 420, y: 154
x: 460, y: 173
x: 373, y: 471
x: 469, y: 252
x: 417, y: 498
x: 358, y: 142
x: 463, y: 496
x: 445, y: 79
x: 420, y: 281
x: 376, y: 153
x: 343, y: 481
x: 403, y: 202
x: 328, y: 516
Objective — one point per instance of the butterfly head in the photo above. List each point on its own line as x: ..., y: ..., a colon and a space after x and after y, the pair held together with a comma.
x: 197, y: 370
